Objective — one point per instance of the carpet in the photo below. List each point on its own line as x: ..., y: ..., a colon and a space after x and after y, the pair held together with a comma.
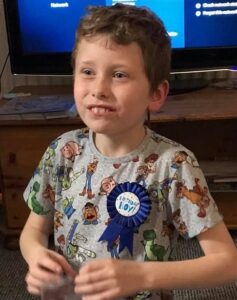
x: 13, y: 269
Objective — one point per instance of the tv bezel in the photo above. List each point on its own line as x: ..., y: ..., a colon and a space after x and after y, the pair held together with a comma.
x: 183, y: 60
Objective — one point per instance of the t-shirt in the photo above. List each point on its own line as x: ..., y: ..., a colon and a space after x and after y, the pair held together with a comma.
x: 131, y: 207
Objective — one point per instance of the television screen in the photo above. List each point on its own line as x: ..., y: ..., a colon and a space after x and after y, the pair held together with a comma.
x: 41, y: 33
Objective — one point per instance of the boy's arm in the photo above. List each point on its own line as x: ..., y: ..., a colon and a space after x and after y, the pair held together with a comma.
x: 44, y: 265
x: 34, y: 235
x: 110, y: 277
x: 218, y: 266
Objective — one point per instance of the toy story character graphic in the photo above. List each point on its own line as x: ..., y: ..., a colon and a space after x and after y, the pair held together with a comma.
x: 148, y: 167
x: 181, y: 157
x: 90, y: 214
x: 158, y: 191
x: 167, y: 229
x: 32, y: 201
x: 153, y: 251
x: 107, y: 184
x: 180, y: 224
x: 197, y: 195
x: 65, y: 176
x: 74, y: 250
x: 68, y: 209
x: 49, y: 194
x: 141, y: 296
x: 91, y: 168
x: 135, y: 159
x: 70, y: 150
x: 58, y: 217
x: 61, y: 244
x: 49, y: 154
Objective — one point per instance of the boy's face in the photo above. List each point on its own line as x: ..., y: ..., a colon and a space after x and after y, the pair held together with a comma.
x: 111, y: 88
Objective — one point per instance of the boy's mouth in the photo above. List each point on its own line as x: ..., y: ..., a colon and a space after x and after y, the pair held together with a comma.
x: 99, y: 110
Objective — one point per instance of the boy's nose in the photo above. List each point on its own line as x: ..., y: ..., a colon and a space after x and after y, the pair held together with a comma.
x: 100, y: 88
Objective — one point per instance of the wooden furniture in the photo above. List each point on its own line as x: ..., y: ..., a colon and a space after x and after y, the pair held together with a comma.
x: 205, y: 121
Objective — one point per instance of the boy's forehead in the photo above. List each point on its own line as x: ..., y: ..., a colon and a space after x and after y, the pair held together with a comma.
x: 88, y: 45
x: 128, y: 54
x: 103, y: 40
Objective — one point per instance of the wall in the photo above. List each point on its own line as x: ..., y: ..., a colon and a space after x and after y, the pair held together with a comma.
x: 6, y: 76
x: 8, y: 81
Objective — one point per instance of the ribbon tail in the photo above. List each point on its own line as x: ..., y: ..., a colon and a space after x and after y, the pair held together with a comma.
x: 111, y: 233
x: 126, y: 240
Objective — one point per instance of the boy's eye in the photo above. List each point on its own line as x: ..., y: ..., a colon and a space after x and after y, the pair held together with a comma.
x: 86, y: 72
x: 119, y: 75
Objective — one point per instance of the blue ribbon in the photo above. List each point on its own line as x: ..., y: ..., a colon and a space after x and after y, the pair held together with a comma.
x: 128, y: 206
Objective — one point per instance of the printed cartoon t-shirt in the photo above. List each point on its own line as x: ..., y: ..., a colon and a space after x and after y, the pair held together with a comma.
x: 131, y: 207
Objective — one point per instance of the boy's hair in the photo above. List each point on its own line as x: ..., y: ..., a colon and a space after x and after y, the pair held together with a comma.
x: 125, y: 24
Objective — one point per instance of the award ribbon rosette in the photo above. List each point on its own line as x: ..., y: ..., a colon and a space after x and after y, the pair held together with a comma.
x: 128, y: 206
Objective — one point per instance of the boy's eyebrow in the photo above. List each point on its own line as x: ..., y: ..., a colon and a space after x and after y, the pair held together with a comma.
x: 85, y: 62
x: 90, y: 62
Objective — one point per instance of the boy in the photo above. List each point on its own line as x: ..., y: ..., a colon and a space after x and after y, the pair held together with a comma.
x: 127, y: 191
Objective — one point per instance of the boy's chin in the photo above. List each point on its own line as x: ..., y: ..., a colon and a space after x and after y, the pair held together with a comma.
x: 100, y: 128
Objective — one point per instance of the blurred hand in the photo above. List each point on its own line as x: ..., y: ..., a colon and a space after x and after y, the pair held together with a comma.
x: 45, y: 267
x: 109, y: 279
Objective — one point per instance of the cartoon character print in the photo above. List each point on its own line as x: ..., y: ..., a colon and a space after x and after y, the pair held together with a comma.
x: 153, y: 251
x: 182, y: 156
x: 70, y: 150
x: 65, y: 176
x: 197, y: 195
x: 135, y: 159
x: 114, y: 250
x: 90, y: 214
x: 68, y: 209
x: 49, y: 194
x: 49, y: 154
x: 83, y: 133
x: 91, y: 168
x: 148, y: 167
x: 158, y: 191
x: 107, y: 184
x: 141, y: 296
x: 61, y: 244
x: 75, y: 250
x: 180, y: 224
x: 38, y: 170
x: 167, y: 229
x: 32, y: 201
x: 58, y: 217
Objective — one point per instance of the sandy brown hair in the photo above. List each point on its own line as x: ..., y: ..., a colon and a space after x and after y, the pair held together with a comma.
x: 125, y: 24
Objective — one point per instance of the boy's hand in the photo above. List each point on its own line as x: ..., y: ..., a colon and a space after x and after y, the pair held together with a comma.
x: 109, y: 279
x: 46, y: 267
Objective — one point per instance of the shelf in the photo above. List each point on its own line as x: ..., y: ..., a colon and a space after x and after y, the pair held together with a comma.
x: 219, y: 169
x: 206, y: 104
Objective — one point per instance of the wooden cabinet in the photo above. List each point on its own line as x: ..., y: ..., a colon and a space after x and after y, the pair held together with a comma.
x: 204, y: 121
x: 21, y: 147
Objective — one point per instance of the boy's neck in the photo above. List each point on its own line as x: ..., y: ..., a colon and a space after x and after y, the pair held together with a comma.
x: 119, y: 145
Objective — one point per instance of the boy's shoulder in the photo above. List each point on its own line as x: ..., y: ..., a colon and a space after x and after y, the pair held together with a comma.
x: 162, y: 139
x: 169, y: 147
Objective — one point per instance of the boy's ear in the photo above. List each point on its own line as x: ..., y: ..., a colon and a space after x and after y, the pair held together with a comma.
x: 159, y: 96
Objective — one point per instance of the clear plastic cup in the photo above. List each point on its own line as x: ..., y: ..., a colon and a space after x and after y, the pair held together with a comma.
x: 62, y: 290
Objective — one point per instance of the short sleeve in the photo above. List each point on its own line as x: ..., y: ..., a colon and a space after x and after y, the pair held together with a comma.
x: 40, y: 192
x: 192, y: 206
